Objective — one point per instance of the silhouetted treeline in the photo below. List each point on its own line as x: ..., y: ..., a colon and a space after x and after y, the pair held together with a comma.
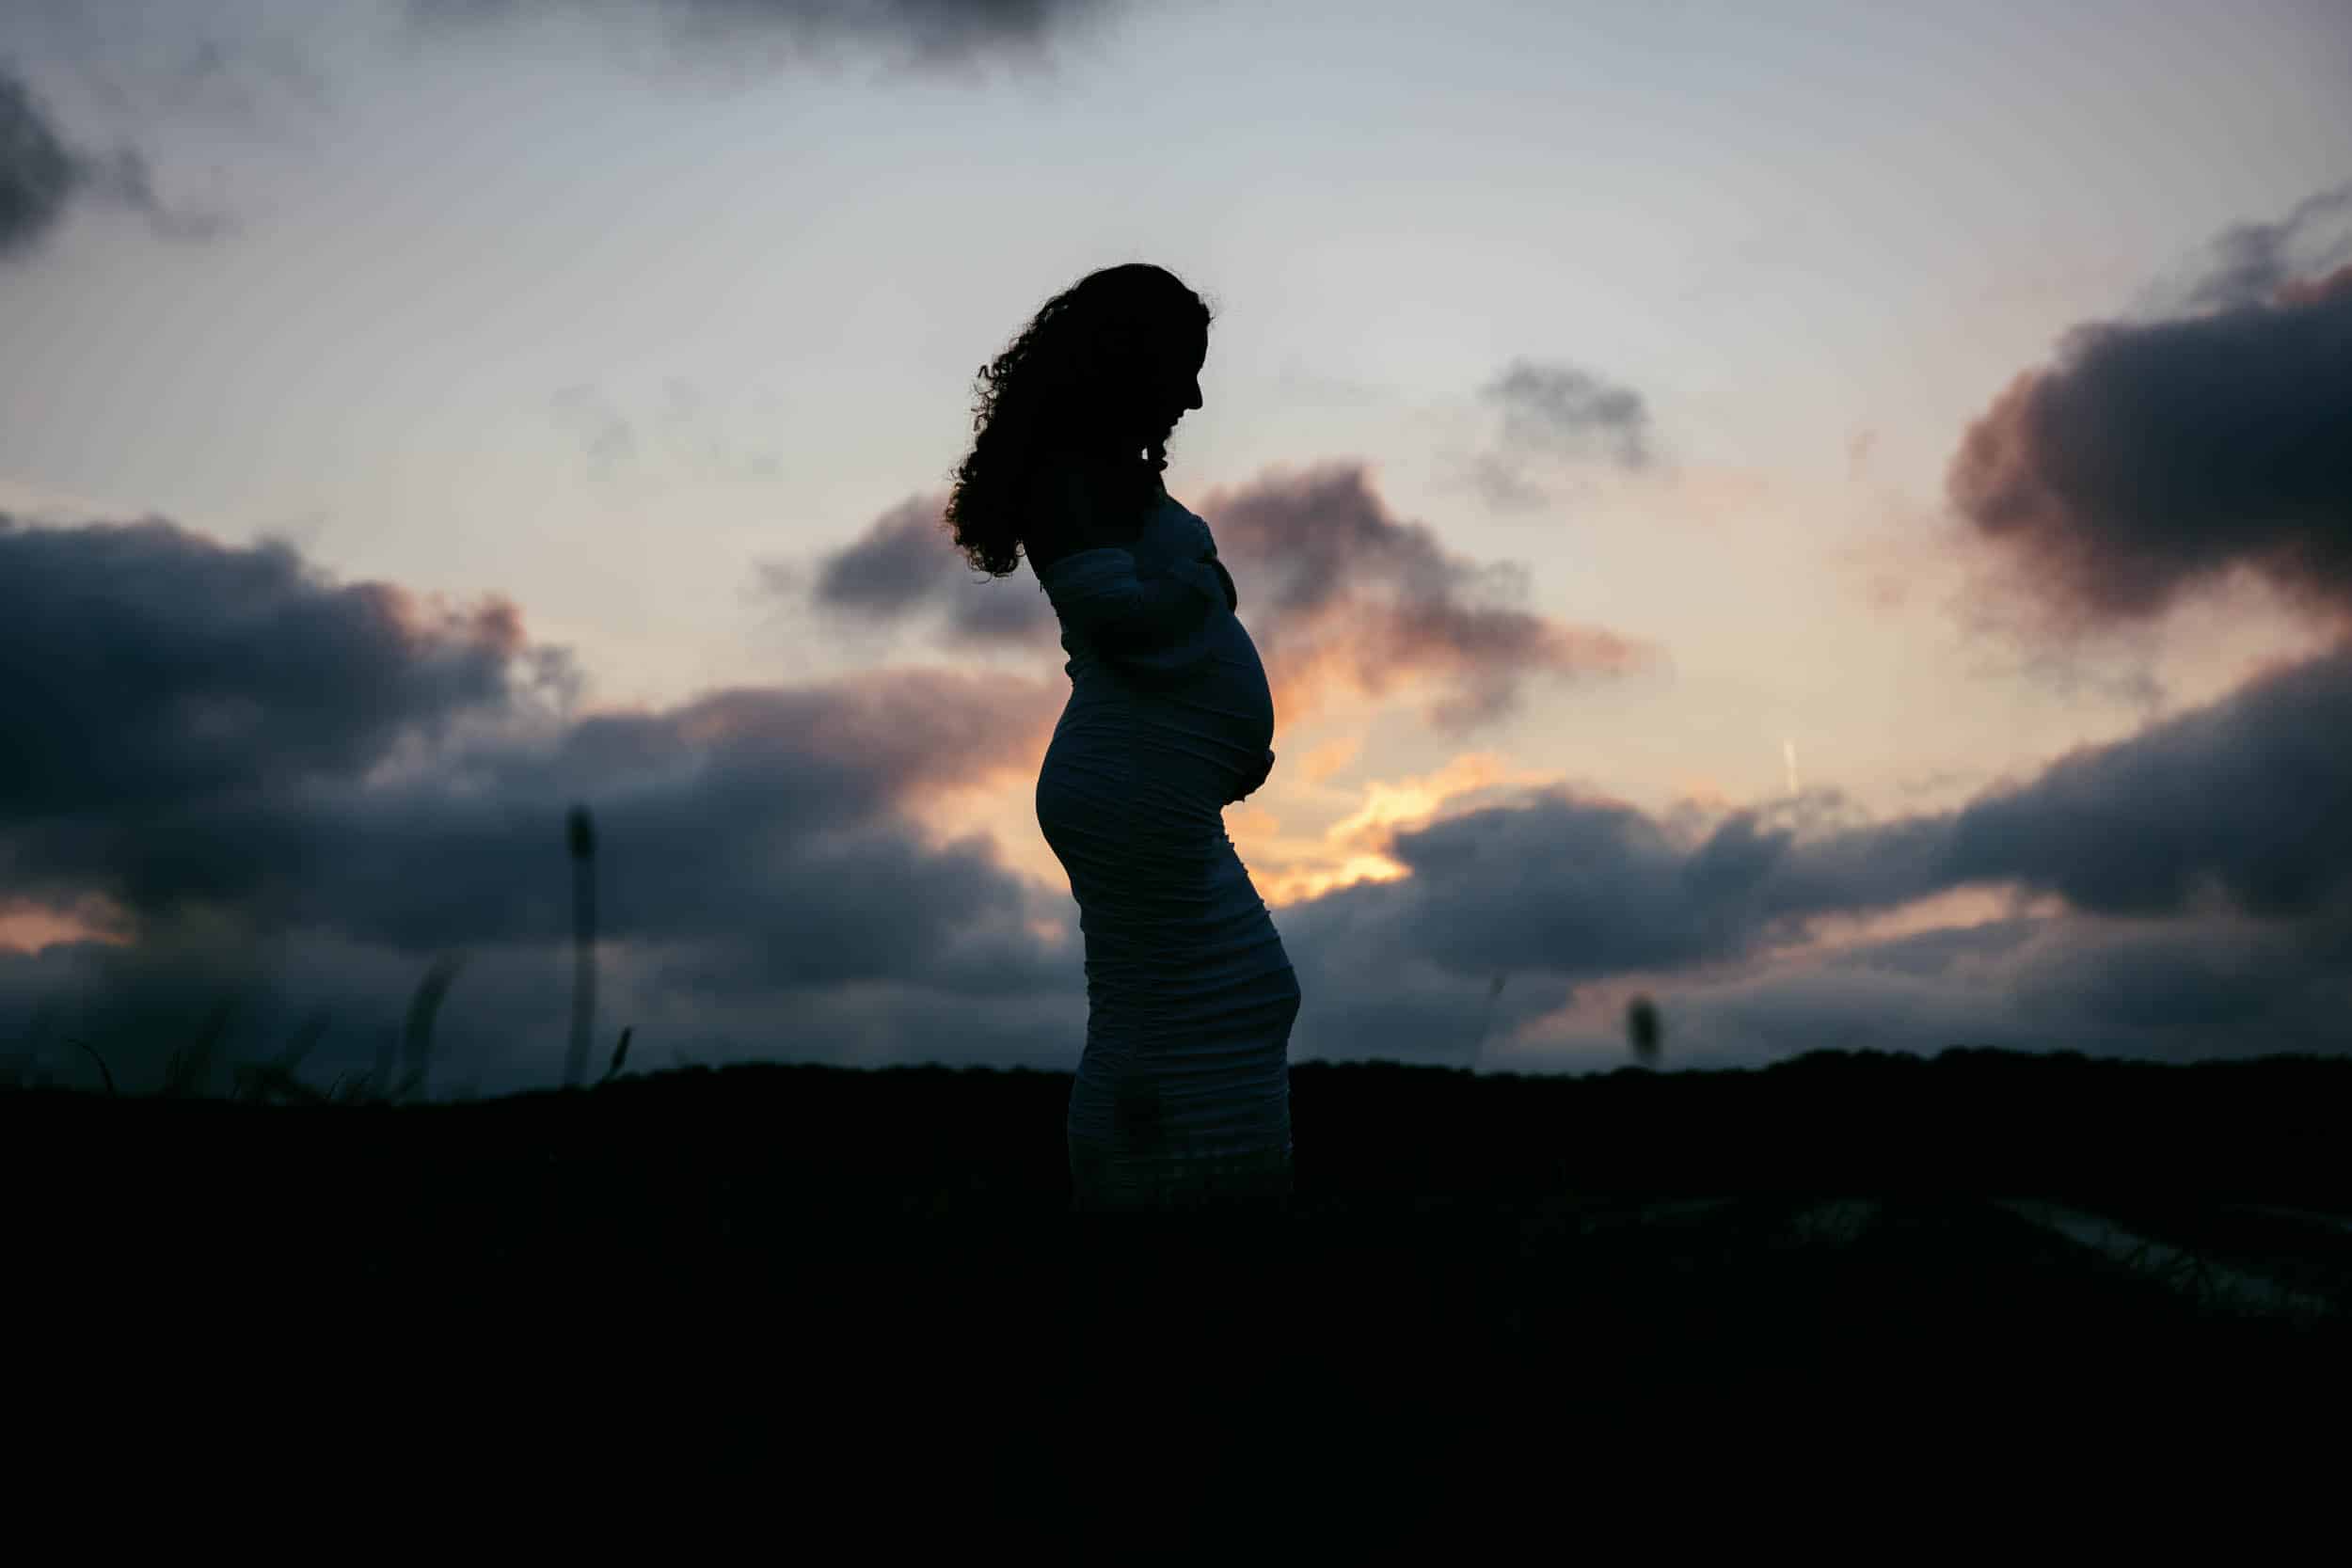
x: 1966, y: 1120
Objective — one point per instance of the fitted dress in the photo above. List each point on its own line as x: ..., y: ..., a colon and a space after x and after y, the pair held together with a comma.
x: 1182, y: 1090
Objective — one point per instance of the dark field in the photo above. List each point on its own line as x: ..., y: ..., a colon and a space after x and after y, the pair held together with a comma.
x: 1479, y: 1277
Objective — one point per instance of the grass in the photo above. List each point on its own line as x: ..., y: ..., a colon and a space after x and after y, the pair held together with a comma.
x: 190, y: 1071
x: 790, y: 1266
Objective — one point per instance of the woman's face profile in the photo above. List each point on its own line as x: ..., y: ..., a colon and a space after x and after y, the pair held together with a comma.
x: 1179, y: 387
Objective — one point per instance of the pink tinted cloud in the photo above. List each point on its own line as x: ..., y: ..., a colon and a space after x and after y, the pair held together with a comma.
x: 2155, y: 457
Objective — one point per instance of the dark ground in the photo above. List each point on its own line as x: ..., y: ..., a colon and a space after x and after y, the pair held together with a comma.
x: 1489, y: 1281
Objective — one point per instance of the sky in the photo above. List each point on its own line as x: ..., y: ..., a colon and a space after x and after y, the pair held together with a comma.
x: 1835, y: 517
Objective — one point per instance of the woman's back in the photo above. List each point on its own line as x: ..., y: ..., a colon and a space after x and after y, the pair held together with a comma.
x: 1072, y: 502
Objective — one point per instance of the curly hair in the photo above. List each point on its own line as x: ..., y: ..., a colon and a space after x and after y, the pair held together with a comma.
x: 1077, y: 375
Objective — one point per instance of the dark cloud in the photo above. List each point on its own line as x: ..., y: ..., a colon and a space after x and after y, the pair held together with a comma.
x: 2156, y: 456
x: 294, y: 748
x: 297, y: 794
x: 141, y: 664
x: 1580, y: 889
x: 345, y: 784
x: 901, y: 564
x: 1338, y: 595
x: 2252, y: 262
x: 37, y: 173
x: 1559, y: 409
x: 905, y: 564
x: 2250, y: 796
x: 2237, y: 816
x: 922, y: 32
x: 2183, y: 990
x: 41, y: 175
x: 241, y: 761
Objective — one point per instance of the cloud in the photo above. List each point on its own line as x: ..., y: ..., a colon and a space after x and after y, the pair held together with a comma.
x: 2180, y: 989
x: 1571, y: 412
x: 1354, y: 600
x: 2156, y: 456
x: 2252, y: 262
x: 145, y: 664
x: 1339, y: 597
x: 41, y: 174
x: 905, y: 564
x: 244, y: 762
x: 1498, y: 481
x: 121, y: 177
x: 37, y: 174
x: 1859, y: 445
x: 231, y: 62
x: 294, y: 793
x: 2186, y: 990
x: 1578, y: 887
x: 2235, y: 816
x: 2250, y: 796
x: 196, y: 723
x: 605, y: 432
x: 685, y: 439
x: 923, y: 33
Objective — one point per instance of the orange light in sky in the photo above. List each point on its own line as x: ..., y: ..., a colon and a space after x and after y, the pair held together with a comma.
x: 28, y: 930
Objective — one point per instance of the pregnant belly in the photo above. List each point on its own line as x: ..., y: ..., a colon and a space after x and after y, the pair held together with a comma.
x: 1233, y: 687
x: 1182, y: 747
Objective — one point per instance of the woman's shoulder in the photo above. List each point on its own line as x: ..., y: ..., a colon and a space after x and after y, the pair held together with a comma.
x: 1057, y: 466
x: 1075, y: 503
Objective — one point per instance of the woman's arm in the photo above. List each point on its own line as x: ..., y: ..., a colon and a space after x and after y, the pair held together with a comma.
x: 1140, y: 616
x: 1143, y: 618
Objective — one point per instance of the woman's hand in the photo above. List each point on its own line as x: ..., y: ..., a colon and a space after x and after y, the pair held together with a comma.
x: 1251, y: 787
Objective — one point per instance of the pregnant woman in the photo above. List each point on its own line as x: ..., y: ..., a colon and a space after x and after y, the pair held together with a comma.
x: 1183, y: 1092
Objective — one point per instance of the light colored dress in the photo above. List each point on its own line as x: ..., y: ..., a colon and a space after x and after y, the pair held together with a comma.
x: 1183, y: 1092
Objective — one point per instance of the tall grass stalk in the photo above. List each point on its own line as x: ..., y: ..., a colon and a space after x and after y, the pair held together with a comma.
x: 190, y: 1071
x: 260, y: 1081
x: 1485, y: 1023
x: 581, y: 835
x: 422, y: 1008
x: 1644, y: 1030
x: 76, y: 1040
x: 620, y: 1055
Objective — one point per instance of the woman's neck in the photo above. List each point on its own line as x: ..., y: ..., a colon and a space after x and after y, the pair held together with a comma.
x: 1100, y: 457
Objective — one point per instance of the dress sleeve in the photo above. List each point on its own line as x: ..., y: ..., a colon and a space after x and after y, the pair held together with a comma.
x: 1145, y: 620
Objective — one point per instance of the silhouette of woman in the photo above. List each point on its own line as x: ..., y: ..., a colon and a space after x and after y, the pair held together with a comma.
x: 1182, y: 1099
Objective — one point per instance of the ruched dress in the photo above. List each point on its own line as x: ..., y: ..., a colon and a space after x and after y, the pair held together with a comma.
x: 1183, y: 1091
